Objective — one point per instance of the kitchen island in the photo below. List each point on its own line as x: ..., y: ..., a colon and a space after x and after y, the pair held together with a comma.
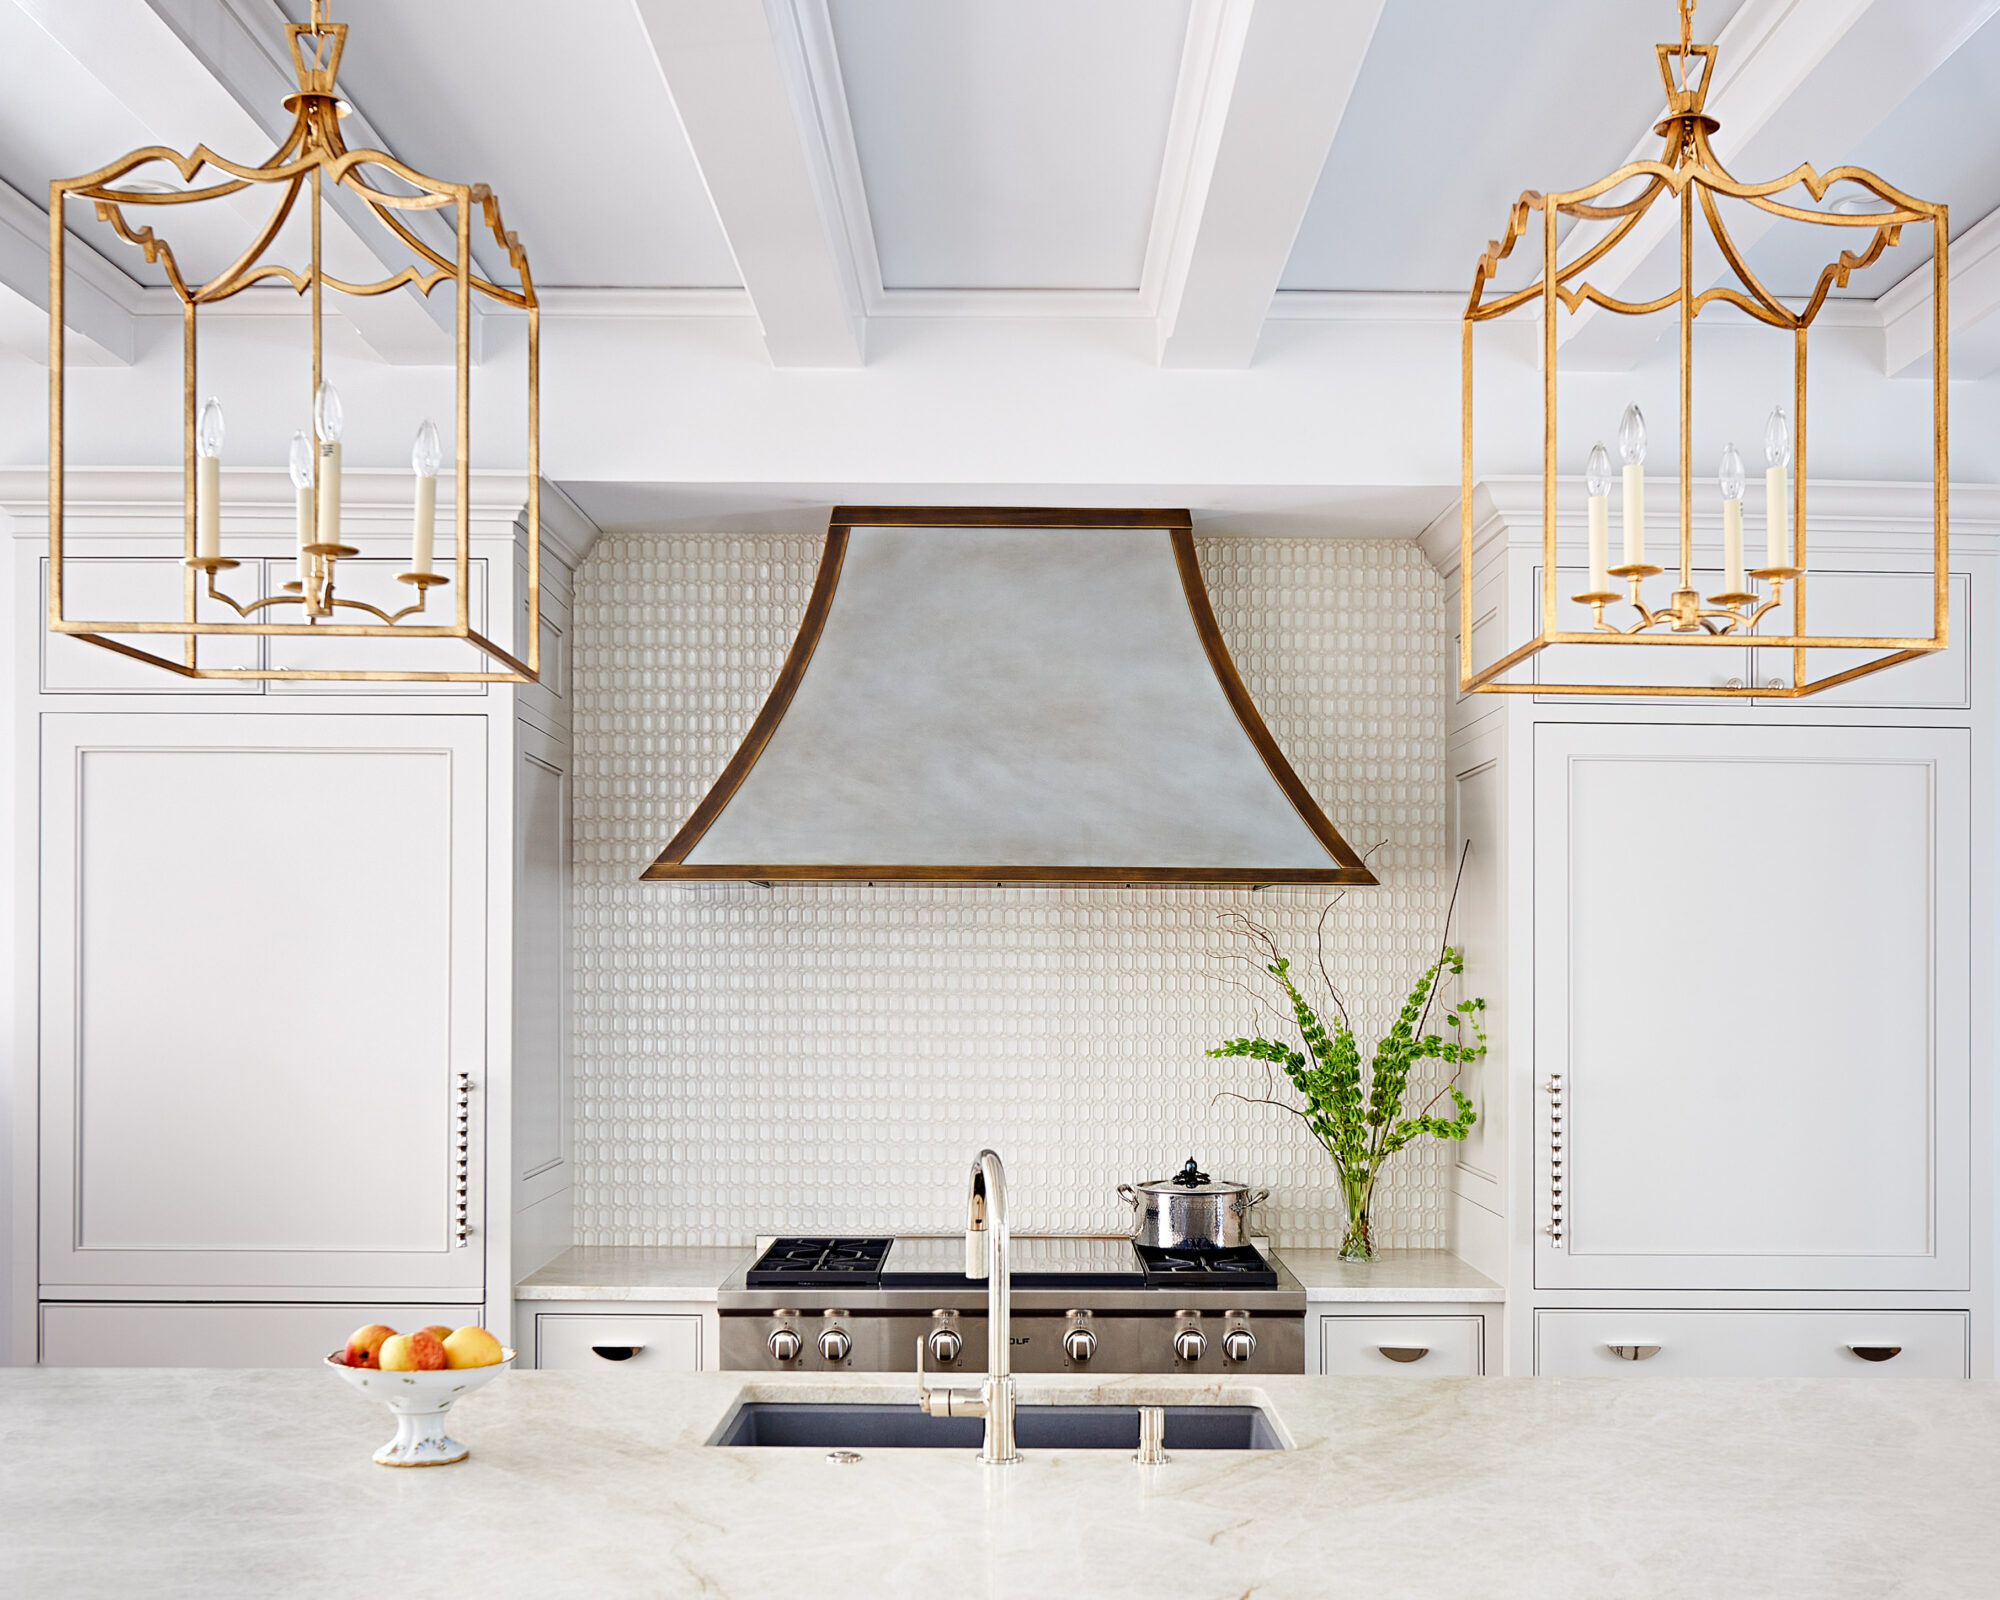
x: 224, y: 1483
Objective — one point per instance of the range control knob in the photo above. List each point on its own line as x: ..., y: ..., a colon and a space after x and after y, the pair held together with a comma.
x: 1079, y: 1344
x: 1239, y: 1344
x: 786, y: 1344
x: 1189, y: 1344
x: 835, y: 1345
x: 945, y: 1345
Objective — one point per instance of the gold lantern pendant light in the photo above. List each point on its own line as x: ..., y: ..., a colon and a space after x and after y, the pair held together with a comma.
x: 310, y: 159
x: 1624, y: 609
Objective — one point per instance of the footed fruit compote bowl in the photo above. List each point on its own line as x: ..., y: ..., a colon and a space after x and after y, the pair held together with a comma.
x: 420, y: 1401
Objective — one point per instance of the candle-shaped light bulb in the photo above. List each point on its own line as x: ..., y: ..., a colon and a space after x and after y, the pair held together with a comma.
x: 1777, y: 497
x: 208, y: 436
x: 1730, y: 477
x: 1597, y: 472
x: 426, y: 456
x: 327, y: 413
x: 208, y: 480
x: 301, y: 466
x: 1597, y: 484
x: 1730, y: 474
x: 326, y: 423
x: 1777, y: 439
x: 1632, y: 447
x: 1632, y: 437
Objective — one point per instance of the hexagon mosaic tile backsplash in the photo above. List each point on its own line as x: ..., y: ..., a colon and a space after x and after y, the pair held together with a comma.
x: 751, y: 1060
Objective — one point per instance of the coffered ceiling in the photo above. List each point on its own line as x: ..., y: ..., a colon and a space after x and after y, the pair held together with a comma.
x: 824, y: 165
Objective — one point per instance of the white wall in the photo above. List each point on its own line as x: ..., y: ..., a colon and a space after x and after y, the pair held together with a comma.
x: 753, y: 1060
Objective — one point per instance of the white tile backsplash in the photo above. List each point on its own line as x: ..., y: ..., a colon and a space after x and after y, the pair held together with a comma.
x: 750, y: 1060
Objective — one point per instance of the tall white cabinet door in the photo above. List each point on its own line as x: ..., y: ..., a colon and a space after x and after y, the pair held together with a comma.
x: 263, y: 946
x: 1752, y: 978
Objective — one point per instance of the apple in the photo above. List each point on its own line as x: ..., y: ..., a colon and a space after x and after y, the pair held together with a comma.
x: 473, y: 1347
x: 442, y: 1330
x: 364, y: 1345
x: 422, y: 1351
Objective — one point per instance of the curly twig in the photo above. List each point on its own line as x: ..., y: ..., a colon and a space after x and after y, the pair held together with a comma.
x: 1444, y: 939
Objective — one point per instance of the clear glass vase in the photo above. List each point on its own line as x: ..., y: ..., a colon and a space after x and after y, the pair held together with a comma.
x: 1358, y: 1242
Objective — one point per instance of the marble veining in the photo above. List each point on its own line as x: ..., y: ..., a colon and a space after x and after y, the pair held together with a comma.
x: 1398, y: 1275
x: 224, y: 1484
x: 633, y: 1272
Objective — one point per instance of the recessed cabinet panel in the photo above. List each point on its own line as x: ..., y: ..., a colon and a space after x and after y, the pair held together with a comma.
x: 263, y: 939
x: 670, y: 1343
x: 137, y: 589
x: 1702, y: 666
x: 541, y: 971
x: 1752, y: 962
x: 1886, y: 603
x: 102, y: 1334
x: 1405, y: 1347
x: 374, y: 580
x: 1751, y: 1344
x: 1481, y: 933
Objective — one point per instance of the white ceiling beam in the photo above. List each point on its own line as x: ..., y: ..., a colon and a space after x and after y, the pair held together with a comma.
x: 1797, y: 80
x: 130, y: 48
x: 1972, y: 301
x: 1258, y: 150
x: 735, y: 74
x: 100, y: 303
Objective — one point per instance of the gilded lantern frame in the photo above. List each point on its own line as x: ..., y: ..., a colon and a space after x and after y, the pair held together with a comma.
x: 1689, y: 170
x: 311, y: 155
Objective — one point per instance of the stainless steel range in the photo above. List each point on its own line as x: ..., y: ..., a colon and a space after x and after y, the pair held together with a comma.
x: 1079, y: 1304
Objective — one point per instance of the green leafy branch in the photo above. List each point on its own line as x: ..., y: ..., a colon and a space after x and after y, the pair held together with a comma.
x: 1356, y: 1112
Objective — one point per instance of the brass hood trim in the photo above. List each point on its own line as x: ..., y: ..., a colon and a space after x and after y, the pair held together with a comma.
x: 672, y: 864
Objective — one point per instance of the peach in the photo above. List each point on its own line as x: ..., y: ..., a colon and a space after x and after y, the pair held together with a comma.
x: 364, y: 1345
x: 422, y: 1351
x: 473, y: 1347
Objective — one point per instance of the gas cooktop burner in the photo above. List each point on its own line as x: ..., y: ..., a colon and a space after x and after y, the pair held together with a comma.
x: 818, y: 1263
x: 1040, y: 1264
x: 1241, y: 1265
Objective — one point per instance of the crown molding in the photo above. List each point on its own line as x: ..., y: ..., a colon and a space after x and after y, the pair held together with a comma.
x: 1851, y: 517
x: 145, y: 503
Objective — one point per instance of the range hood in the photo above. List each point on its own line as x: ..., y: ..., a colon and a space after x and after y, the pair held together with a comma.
x: 1009, y: 696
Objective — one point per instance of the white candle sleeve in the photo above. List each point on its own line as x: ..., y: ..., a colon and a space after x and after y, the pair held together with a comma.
x: 1777, y: 520
x: 328, y: 529
x: 305, y: 536
x: 208, y: 506
x: 1600, y: 544
x: 1635, y: 513
x: 423, y: 531
x: 1732, y: 546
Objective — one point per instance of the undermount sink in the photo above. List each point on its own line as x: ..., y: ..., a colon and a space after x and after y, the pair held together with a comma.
x: 855, y: 1426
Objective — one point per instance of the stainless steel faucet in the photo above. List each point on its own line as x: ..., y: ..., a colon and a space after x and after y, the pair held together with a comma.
x: 985, y: 1257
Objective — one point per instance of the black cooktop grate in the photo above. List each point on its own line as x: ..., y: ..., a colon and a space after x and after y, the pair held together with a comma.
x: 1239, y: 1267
x: 818, y: 1264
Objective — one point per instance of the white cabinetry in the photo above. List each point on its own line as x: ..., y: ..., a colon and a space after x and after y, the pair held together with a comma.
x: 1739, y: 962
x: 294, y: 1030
x: 262, y: 990
x: 1752, y: 963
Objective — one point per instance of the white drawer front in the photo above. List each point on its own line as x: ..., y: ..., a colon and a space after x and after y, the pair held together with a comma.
x: 1752, y: 1344
x: 107, y: 1335
x: 1389, y: 1346
x: 655, y: 1343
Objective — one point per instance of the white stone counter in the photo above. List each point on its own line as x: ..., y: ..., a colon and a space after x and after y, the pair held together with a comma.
x: 1407, y: 1275
x: 633, y: 1272
x: 225, y: 1483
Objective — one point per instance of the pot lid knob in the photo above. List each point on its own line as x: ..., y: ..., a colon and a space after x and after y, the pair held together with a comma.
x: 1190, y: 1176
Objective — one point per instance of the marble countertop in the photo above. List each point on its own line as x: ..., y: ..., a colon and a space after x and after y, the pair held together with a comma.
x: 225, y: 1484
x: 633, y: 1272
x: 1411, y: 1275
